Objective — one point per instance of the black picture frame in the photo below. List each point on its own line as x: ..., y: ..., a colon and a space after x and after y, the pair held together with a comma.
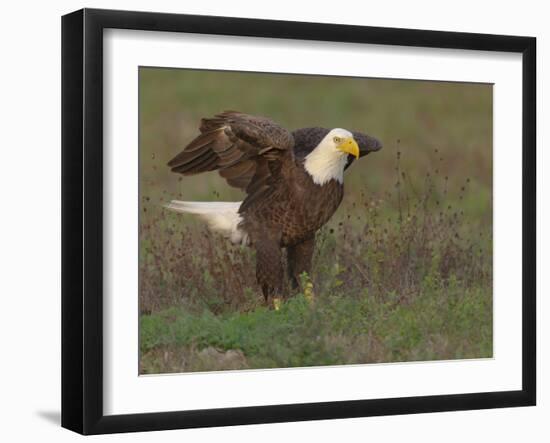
x: 82, y: 220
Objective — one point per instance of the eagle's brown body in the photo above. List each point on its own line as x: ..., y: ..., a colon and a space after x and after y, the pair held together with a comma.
x: 289, y: 218
x: 295, y: 209
x: 284, y: 206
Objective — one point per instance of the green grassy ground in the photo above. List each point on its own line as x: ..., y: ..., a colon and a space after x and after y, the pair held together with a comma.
x: 402, y: 272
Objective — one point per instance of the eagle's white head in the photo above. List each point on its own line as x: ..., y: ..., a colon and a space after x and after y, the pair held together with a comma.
x: 328, y: 160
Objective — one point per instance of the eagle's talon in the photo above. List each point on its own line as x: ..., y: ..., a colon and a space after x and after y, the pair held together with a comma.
x: 309, y: 294
x: 276, y: 301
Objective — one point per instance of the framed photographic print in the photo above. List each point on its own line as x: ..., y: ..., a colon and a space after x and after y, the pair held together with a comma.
x: 269, y: 221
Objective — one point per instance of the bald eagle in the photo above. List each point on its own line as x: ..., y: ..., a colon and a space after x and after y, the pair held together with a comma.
x: 294, y: 183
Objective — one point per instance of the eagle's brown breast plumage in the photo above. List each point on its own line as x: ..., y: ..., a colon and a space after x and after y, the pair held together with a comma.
x: 284, y: 206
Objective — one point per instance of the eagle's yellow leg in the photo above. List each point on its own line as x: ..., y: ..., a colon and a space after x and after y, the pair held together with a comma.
x: 277, y: 303
x: 309, y: 294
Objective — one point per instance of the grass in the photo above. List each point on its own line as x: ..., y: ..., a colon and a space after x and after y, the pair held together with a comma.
x: 403, y: 270
x: 336, y: 329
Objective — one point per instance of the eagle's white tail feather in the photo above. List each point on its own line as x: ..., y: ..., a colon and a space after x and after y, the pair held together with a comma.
x: 222, y: 217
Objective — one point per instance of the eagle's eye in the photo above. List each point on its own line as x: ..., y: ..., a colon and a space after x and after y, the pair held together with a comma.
x: 337, y: 140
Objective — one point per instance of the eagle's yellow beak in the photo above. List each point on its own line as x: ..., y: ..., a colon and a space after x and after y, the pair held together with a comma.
x: 349, y: 145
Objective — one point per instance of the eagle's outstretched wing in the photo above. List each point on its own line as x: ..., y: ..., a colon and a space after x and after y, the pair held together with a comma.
x: 250, y: 152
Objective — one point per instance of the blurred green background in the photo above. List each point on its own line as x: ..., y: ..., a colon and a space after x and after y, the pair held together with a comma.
x: 414, y: 117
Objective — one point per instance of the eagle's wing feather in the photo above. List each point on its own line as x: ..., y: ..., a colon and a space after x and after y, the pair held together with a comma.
x: 250, y: 152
